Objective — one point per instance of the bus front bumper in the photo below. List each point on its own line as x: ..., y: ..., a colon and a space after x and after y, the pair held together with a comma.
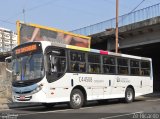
x: 38, y: 97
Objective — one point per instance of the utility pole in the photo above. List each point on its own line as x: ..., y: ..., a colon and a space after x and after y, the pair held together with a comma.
x: 116, y: 40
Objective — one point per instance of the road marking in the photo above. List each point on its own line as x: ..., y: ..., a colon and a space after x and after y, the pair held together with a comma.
x: 46, y: 112
x: 153, y: 100
x: 54, y: 111
x: 121, y: 115
x: 5, y: 109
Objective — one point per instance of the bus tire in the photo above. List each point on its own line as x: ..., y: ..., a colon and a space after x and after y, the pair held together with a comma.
x: 76, y: 99
x: 129, y: 95
x: 48, y: 105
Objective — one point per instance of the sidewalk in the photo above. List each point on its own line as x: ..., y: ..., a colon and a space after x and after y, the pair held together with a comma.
x: 156, y: 95
x: 8, y: 104
x: 148, y: 96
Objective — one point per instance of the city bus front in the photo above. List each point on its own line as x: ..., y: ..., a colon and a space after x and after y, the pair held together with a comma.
x: 28, y: 72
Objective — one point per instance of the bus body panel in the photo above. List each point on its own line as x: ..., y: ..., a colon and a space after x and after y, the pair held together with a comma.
x: 96, y: 87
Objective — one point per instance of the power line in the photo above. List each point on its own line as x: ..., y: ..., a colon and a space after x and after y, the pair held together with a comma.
x: 24, y: 11
x: 31, y: 9
x: 137, y: 6
x: 133, y: 9
x: 113, y: 4
x: 8, y: 22
x: 41, y: 5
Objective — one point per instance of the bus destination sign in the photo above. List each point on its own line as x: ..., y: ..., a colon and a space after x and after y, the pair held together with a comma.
x: 25, y: 49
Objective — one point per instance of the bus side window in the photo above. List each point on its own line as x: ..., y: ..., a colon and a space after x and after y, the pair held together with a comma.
x: 89, y: 69
x: 82, y: 67
x: 109, y: 65
x: 48, y: 68
x: 145, y: 68
x: 94, y: 63
x: 92, y: 68
x: 77, y: 61
x: 76, y: 67
x: 106, y: 69
x: 62, y: 64
x: 79, y: 57
x: 54, y: 64
x: 142, y: 73
x: 134, y: 67
x: 122, y: 66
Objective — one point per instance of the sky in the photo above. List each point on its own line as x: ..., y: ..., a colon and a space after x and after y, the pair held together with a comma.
x: 64, y: 14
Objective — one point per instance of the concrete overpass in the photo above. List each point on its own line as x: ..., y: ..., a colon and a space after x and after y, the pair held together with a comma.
x: 139, y: 35
x: 132, y: 35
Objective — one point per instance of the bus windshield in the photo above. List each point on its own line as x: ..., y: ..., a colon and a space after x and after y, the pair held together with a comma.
x: 28, y: 67
x: 28, y: 62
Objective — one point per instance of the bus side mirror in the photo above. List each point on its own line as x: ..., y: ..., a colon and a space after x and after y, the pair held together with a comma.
x: 8, y: 61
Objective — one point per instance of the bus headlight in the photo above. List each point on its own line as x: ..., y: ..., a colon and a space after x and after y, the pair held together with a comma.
x: 37, y: 89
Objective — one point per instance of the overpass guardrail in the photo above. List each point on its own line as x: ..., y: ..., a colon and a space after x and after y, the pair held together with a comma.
x: 126, y: 19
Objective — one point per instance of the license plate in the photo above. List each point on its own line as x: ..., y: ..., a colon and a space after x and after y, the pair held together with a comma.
x: 22, y: 97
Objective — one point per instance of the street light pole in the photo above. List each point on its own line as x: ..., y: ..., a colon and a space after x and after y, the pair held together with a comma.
x: 116, y: 45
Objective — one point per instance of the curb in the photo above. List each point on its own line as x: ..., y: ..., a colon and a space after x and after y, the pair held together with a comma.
x: 152, y: 95
x: 4, y: 106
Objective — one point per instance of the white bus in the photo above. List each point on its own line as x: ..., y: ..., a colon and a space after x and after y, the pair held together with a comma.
x: 48, y: 74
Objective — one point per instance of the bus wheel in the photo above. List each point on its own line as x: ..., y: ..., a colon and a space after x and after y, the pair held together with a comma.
x: 129, y: 95
x: 76, y: 99
x: 48, y: 105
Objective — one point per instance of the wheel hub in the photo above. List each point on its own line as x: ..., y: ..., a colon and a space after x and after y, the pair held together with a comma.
x: 76, y: 99
x: 129, y: 95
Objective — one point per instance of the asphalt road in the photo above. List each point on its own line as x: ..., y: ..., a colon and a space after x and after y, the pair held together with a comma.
x: 142, y: 108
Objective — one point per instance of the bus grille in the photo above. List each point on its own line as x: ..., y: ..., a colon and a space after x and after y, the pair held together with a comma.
x: 25, y: 98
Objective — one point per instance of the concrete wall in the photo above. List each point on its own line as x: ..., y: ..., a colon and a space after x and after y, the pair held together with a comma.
x: 5, y: 81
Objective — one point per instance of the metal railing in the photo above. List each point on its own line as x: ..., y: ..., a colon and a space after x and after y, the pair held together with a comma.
x: 126, y: 19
